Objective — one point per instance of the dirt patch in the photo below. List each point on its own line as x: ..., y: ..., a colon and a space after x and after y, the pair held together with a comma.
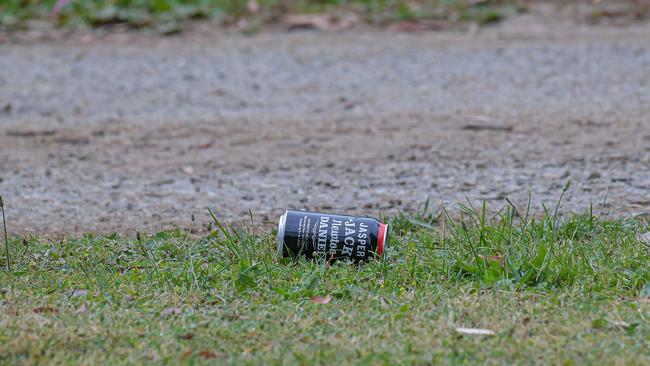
x: 119, y: 136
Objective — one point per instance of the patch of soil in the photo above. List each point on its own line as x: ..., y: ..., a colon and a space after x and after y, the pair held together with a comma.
x: 124, y: 136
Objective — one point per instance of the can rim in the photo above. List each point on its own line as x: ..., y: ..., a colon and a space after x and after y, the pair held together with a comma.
x: 382, y: 239
x: 279, y: 239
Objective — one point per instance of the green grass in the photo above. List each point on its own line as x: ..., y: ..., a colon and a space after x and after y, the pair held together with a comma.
x: 15, y: 14
x: 572, y: 290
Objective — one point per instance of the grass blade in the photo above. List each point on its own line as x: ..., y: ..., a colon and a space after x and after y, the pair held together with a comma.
x: 4, y: 225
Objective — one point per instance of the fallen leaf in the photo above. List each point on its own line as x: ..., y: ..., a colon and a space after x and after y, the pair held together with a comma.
x: 46, y: 309
x: 207, y: 354
x: 171, y: 311
x: 77, y: 293
x: 308, y: 21
x: 475, y: 331
x: 321, y: 299
x: 322, y: 22
x: 186, y: 336
x: 81, y: 309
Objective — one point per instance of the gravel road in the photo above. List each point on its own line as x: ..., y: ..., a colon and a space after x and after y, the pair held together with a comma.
x: 128, y: 133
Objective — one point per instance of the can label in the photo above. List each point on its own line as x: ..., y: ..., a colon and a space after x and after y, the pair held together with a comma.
x: 331, y: 236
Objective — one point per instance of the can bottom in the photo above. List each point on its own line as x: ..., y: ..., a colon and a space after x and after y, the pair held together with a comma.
x: 280, y: 237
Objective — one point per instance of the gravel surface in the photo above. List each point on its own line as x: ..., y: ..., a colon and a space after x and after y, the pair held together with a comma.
x: 131, y: 132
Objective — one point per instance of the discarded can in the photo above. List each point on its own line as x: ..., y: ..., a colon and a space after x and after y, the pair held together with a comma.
x: 331, y: 236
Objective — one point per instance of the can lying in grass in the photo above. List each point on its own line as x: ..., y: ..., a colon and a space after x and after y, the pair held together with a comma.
x: 330, y: 236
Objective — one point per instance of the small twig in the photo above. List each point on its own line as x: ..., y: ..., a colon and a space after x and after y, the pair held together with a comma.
x: 4, y: 225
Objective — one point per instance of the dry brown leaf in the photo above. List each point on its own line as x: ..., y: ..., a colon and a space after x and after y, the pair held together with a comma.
x: 46, y: 309
x: 321, y: 299
x: 323, y: 22
x: 186, y: 336
x: 475, y: 331
x: 308, y: 21
x: 207, y: 354
x: 171, y: 311
x: 81, y: 309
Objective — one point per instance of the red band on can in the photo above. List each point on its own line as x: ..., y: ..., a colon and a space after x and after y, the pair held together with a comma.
x: 381, y: 239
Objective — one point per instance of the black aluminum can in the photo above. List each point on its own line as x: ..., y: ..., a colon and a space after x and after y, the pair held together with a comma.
x: 331, y: 236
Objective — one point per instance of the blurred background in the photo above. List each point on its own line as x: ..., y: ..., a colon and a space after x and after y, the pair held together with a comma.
x: 169, y: 16
x: 124, y: 115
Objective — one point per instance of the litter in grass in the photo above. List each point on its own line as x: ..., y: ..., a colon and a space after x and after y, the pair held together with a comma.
x: 475, y: 331
x: 331, y: 236
x: 575, y: 275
